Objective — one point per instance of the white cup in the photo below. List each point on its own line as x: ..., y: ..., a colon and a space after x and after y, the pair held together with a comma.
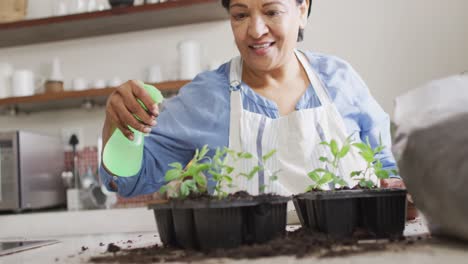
x: 56, y: 71
x: 114, y: 82
x: 6, y: 70
x: 98, y: 84
x: 25, y: 83
x: 60, y: 8
x: 154, y: 74
x: 79, y: 84
x: 189, y: 59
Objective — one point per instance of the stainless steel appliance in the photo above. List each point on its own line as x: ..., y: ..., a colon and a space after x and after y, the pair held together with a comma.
x: 30, y: 171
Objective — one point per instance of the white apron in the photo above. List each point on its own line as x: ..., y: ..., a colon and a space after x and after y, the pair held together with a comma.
x: 296, y: 138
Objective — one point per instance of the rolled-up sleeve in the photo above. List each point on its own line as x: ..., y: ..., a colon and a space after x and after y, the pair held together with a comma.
x: 199, y: 115
x: 374, y: 122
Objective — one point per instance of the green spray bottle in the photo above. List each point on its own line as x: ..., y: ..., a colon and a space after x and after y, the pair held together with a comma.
x: 122, y: 156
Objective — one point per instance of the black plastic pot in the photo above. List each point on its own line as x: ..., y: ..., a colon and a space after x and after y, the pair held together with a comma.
x: 383, y: 212
x: 265, y: 221
x: 334, y: 212
x: 165, y: 226
x: 184, y: 228
x: 211, y: 224
x: 218, y: 227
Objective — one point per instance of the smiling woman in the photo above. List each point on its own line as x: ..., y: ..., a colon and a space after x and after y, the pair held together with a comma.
x: 272, y: 97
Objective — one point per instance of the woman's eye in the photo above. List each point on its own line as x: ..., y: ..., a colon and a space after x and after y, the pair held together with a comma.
x: 239, y: 16
x: 273, y: 13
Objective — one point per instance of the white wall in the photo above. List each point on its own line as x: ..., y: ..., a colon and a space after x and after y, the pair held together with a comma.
x: 394, y: 45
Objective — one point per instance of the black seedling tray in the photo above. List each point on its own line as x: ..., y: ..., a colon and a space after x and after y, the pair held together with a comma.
x: 383, y: 212
x: 211, y: 224
x: 332, y: 212
x: 337, y: 213
x: 265, y: 221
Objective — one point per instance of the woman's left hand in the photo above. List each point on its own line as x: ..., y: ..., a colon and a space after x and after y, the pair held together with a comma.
x: 392, y: 183
x: 411, y: 211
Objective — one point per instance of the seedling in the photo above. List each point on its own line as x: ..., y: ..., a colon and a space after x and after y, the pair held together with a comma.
x: 222, y: 172
x: 374, y: 165
x: 322, y: 176
x: 193, y: 180
x: 191, y: 177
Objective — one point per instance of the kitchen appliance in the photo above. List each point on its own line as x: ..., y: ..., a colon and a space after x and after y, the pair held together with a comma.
x: 30, y: 171
x: 10, y: 247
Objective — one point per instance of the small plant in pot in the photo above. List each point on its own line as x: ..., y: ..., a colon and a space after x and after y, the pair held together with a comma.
x: 382, y: 211
x: 338, y: 211
x: 195, y: 219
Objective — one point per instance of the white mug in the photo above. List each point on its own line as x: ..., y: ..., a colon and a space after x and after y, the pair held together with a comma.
x: 25, y: 83
x: 79, y: 84
x: 6, y: 70
x: 154, y: 74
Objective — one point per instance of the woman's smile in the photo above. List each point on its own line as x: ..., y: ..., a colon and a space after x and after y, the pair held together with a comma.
x: 261, y: 48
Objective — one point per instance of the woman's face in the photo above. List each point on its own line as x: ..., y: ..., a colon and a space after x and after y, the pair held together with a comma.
x: 266, y: 31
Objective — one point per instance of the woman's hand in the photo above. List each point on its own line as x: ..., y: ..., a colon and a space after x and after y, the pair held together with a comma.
x: 411, y: 210
x: 123, y: 110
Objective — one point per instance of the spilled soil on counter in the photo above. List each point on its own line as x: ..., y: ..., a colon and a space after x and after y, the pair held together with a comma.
x: 299, y: 243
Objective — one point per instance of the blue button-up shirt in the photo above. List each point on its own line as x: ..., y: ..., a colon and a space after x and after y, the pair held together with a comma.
x: 200, y: 115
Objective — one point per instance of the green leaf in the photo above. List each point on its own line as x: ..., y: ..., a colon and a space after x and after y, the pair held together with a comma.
x: 176, y: 165
x: 273, y: 178
x: 369, y: 184
x: 368, y: 156
x: 244, y: 155
x: 201, y: 180
x: 309, y: 188
x: 361, y: 146
x: 268, y: 155
x: 344, y: 151
x: 320, y: 170
x: 324, y: 159
x: 227, y: 179
x: 340, y: 181
x: 314, y: 176
x: 334, y: 147
x: 378, y: 165
x: 324, y: 143
x: 202, y: 167
x: 355, y: 173
x: 172, y: 175
x: 253, y: 172
x: 326, y: 178
x: 163, y: 189
x: 191, y: 185
x: 202, y: 152
x: 229, y: 169
x: 382, y: 174
x: 378, y: 149
x: 184, y: 189
x: 262, y: 188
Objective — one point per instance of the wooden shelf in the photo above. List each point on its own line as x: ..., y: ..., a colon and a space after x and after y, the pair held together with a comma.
x: 72, y: 99
x: 116, y: 20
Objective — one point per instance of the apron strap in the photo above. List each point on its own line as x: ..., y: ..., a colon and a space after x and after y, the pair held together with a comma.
x: 236, y: 102
x: 313, y: 78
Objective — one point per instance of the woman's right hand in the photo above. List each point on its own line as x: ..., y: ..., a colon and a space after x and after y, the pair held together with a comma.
x: 122, y: 110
